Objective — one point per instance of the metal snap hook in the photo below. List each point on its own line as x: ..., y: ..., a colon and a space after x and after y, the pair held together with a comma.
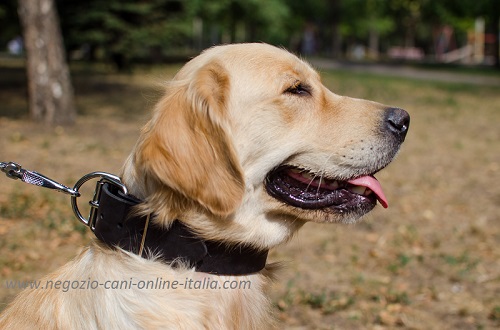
x: 15, y: 171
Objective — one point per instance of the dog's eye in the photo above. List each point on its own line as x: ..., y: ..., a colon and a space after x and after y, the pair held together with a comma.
x: 299, y: 89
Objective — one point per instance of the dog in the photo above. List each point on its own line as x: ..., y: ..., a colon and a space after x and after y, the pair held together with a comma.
x: 244, y: 148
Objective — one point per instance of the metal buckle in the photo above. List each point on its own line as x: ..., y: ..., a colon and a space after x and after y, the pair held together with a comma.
x: 94, y: 203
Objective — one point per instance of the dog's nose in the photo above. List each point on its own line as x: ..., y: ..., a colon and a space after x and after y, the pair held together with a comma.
x: 397, y: 121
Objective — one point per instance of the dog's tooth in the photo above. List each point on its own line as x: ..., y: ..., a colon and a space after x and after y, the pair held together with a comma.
x: 333, y: 184
x: 360, y: 190
x: 367, y: 192
x: 308, y: 176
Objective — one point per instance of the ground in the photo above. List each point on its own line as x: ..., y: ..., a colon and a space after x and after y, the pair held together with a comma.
x: 429, y: 261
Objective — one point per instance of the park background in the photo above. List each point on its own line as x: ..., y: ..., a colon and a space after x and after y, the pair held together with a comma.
x: 430, y: 261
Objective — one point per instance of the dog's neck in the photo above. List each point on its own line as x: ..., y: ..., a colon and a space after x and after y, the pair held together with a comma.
x: 116, y: 225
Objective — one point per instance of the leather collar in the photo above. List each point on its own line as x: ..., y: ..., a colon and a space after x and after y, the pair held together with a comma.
x: 117, y: 227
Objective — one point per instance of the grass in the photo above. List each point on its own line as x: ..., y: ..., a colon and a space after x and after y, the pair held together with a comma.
x: 430, y: 261
x: 454, y: 68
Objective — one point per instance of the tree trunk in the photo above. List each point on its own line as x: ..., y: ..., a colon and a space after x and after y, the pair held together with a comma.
x: 49, y: 83
x: 496, y: 45
x: 373, y: 42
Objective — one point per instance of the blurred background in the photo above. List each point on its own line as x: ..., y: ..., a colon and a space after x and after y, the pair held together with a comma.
x: 78, y: 80
x: 124, y: 32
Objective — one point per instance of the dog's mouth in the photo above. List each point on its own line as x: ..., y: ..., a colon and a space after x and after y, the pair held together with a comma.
x: 307, y: 190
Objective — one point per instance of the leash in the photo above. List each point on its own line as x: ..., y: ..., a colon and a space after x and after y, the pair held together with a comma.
x: 114, y: 223
x: 15, y: 171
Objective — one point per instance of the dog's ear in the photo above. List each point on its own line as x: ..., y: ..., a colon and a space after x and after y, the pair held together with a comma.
x: 187, y: 147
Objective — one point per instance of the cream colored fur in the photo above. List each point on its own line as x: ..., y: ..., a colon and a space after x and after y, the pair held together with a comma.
x: 224, y: 123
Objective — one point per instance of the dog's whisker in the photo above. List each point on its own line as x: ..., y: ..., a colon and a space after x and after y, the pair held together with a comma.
x: 319, y: 185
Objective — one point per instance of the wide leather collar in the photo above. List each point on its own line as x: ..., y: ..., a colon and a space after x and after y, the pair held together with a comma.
x: 117, y: 226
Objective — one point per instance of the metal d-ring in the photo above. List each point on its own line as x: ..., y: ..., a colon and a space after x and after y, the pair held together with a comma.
x: 94, y: 203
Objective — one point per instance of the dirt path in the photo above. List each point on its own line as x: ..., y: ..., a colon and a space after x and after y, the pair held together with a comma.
x: 409, y: 72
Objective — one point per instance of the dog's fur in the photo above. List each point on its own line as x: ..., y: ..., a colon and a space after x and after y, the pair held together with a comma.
x: 228, y: 118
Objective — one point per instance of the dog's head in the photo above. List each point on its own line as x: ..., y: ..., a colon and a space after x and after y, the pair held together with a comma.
x: 247, y: 145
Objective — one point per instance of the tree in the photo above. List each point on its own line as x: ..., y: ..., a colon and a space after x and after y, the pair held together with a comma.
x: 244, y: 20
x: 366, y: 22
x: 49, y: 84
x: 122, y: 31
x: 495, y: 26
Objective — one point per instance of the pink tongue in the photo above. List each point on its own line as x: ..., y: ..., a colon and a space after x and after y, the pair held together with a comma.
x: 371, y: 183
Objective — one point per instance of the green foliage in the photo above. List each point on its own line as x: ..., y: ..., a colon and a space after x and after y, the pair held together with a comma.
x: 124, y: 29
x: 244, y: 20
x: 366, y: 16
x: 9, y: 23
x: 127, y: 30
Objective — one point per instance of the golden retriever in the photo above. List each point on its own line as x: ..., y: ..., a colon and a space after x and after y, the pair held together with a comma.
x: 245, y: 146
